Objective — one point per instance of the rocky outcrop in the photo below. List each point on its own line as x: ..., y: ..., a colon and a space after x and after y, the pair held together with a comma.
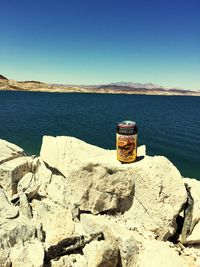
x: 76, y: 205
x: 92, y: 175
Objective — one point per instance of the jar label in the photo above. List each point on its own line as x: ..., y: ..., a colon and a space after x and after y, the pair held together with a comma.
x: 126, y: 147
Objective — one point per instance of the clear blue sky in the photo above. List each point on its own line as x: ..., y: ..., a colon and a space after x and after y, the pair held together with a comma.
x: 101, y: 41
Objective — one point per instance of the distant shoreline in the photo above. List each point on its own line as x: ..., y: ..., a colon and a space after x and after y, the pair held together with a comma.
x: 35, y: 86
x: 118, y: 92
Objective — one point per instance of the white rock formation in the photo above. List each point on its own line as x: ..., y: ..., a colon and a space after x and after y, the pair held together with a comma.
x: 56, y: 221
x: 90, y: 183
x: 102, y: 253
x: 45, y: 201
x: 126, y: 240
x: 98, y: 189
x: 98, y: 182
x: 67, y: 154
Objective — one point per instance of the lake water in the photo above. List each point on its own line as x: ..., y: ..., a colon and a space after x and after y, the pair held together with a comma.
x: 168, y: 125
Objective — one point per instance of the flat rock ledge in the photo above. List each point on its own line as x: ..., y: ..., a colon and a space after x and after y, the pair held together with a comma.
x: 75, y: 205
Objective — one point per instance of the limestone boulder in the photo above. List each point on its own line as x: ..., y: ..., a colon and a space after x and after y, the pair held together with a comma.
x: 68, y: 154
x: 194, y: 236
x: 159, y: 196
x: 56, y: 221
x: 85, y: 180
x: 43, y: 174
x: 102, y: 253
x: 125, y: 239
x: 93, y: 188
x: 97, y: 189
x: 9, y: 151
x: 58, y: 189
x: 12, y: 171
x: 52, y: 184
x: 151, y: 190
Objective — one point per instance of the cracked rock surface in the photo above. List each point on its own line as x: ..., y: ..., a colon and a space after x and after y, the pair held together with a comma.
x: 76, y: 206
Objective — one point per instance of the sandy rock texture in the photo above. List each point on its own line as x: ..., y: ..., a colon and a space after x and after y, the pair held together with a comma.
x: 76, y: 206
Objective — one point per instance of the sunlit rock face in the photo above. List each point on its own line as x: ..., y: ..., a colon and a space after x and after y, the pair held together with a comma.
x: 76, y: 205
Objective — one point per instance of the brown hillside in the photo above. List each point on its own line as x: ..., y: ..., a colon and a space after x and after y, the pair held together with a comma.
x: 2, y: 77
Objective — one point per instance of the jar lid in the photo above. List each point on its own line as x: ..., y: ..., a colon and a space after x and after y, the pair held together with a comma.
x: 126, y: 123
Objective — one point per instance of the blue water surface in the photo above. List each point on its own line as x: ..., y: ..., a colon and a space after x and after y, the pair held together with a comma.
x: 168, y: 125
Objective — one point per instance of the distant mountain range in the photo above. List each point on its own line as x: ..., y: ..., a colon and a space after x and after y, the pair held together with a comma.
x: 112, y: 88
x: 138, y: 85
